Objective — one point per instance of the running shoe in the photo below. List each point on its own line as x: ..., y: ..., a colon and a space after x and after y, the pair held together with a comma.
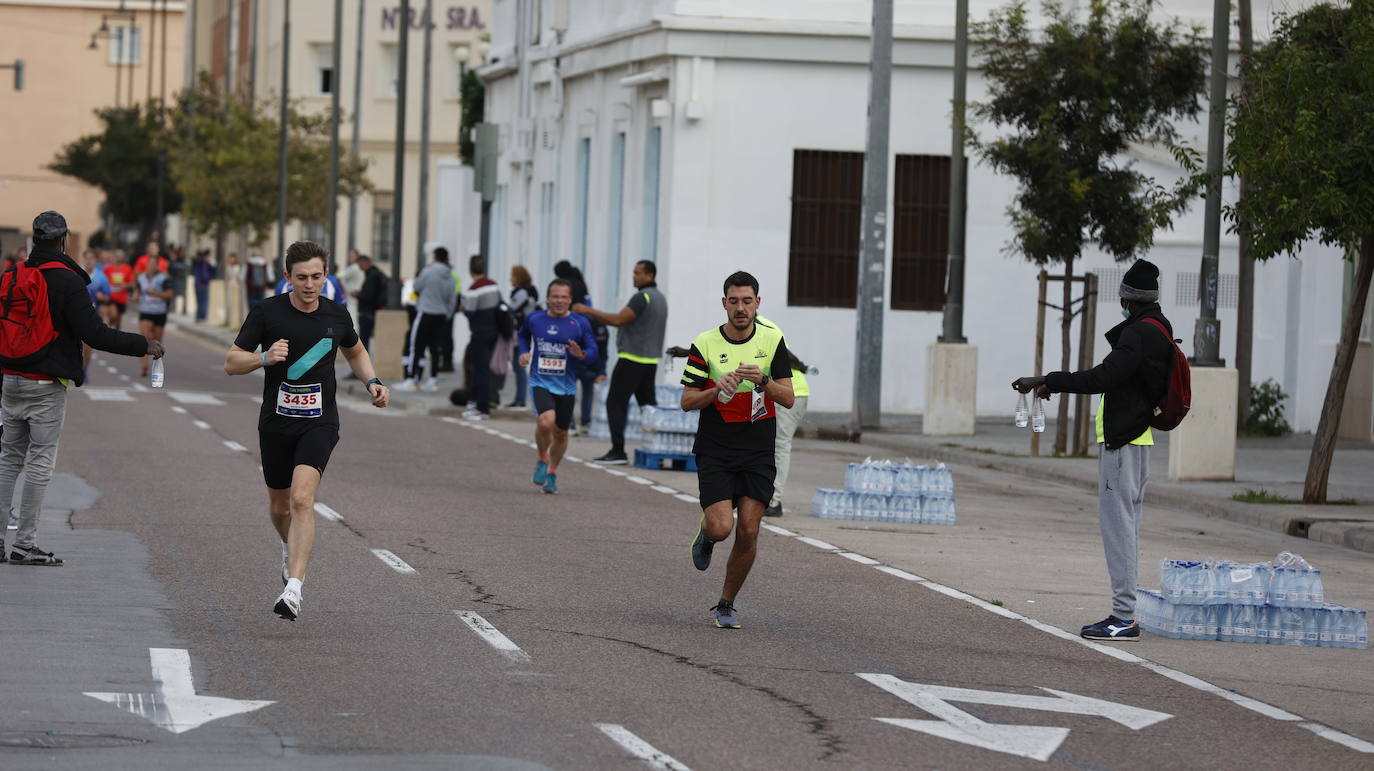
x: 773, y: 511
x: 701, y: 549
x: 613, y: 458
x: 1112, y: 629
x: 551, y: 484
x: 288, y: 605
x: 541, y: 472
x: 476, y: 415
x: 33, y: 556
x: 431, y: 385
x: 724, y: 615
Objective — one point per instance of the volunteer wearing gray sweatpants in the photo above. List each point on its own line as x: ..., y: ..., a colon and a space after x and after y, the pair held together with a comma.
x: 34, y: 411
x: 1133, y: 381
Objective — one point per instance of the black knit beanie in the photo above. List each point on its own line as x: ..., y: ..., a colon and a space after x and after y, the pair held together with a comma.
x: 1141, y: 283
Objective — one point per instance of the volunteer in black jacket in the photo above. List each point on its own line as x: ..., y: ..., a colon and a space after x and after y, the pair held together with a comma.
x: 35, y: 395
x: 1133, y: 380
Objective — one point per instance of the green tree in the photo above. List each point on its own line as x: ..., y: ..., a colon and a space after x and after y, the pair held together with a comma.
x: 1068, y: 102
x: 122, y: 161
x: 1301, y: 137
x: 225, y: 153
x: 474, y: 97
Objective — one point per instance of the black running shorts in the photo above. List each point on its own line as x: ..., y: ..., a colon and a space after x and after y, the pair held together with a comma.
x: 158, y: 319
x: 282, y: 453
x: 721, y: 480
x: 562, y: 406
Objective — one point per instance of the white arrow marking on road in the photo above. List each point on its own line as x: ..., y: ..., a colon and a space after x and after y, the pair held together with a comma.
x: 392, y: 561
x: 640, y: 748
x: 1036, y: 742
x: 493, y: 636
x: 175, y: 705
x: 328, y: 513
x: 235, y: 446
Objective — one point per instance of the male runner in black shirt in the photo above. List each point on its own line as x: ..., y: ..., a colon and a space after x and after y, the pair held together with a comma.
x: 298, y: 425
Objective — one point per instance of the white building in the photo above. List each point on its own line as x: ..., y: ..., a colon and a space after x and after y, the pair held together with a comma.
x: 713, y: 136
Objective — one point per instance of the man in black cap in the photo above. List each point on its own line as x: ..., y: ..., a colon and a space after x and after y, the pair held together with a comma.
x: 36, y: 376
x: 1133, y: 381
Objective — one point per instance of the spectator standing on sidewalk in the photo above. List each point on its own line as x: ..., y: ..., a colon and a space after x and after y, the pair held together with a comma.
x: 1133, y: 380
x: 35, y: 387
x: 480, y: 303
x: 524, y: 300
x: 642, y: 323
x: 371, y: 298
x: 178, y: 270
x: 434, y: 287
x: 202, y: 273
x: 257, y: 278
x: 352, y: 280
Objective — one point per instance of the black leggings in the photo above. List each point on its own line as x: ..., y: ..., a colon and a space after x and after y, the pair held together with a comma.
x: 628, y: 378
x: 426, y: 340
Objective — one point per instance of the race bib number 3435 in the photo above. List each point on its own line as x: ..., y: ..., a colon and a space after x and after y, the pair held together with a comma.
x: 300, y: 401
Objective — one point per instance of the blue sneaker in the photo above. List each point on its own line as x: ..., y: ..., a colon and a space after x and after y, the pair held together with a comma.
x: 701, y: 549
x: 541, y: 470
x: 724, y: 615
x: 1112, y: 629
x: 550, y: 484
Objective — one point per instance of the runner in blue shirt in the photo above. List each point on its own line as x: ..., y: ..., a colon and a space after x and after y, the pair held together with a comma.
x: 547, y: 340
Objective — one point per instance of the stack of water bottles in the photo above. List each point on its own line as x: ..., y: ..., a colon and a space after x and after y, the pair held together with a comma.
x: 669, y: 430
x: 883, y: 491
x: 667, y: 395
x: 1277, y: 603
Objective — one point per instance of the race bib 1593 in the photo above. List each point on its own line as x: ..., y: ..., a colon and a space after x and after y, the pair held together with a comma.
x: 552, y: 365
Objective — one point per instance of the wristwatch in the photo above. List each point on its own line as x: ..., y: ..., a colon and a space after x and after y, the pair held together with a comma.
x: 376, y: 380
x: 764, y: 383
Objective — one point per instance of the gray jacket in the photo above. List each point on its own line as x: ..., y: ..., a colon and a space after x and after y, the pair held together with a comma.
x: 435, y: 288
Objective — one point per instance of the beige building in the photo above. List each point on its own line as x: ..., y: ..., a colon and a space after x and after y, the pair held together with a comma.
x: 73, y: 65
x: 239, y: 42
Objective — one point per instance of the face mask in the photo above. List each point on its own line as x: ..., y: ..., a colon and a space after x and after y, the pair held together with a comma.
x: 1125, y: 314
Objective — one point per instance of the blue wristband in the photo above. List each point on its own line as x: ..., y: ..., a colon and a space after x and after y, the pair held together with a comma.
x: 264, y: 358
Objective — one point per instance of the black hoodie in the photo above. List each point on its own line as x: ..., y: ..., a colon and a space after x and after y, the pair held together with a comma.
x: 75, y: 320
x: 1134, y: 376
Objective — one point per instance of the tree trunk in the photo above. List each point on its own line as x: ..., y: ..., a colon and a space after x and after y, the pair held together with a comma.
x: 1324, y: 443
x: 1245, y: 305
x: 1061, y: 429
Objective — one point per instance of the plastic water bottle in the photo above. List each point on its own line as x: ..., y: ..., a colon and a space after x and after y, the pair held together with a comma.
x: 155, y: 375
x: 1022, y: 411
x: 1038, y: 415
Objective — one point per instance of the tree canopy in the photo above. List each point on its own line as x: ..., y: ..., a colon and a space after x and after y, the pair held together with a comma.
x: 1073, y: 98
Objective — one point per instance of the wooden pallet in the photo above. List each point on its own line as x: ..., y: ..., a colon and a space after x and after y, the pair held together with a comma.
x: 657, y: 460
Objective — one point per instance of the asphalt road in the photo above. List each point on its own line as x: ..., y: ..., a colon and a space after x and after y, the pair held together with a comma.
x: 609, y: 658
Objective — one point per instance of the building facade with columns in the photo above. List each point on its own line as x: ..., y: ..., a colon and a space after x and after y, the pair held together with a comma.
x: 79, y: 56
x: 715, y: 136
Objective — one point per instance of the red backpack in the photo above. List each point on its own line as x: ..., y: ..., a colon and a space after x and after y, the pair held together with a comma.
x: 26, y: 329
x: 1179, y: 396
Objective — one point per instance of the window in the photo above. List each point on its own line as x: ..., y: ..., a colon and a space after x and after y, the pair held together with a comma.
x: 584, y: 184
x: 827, y: 190
x: 126, y: 45
x: 827, y: 203
x: 920, y: 232
x: 383, y: 219
x: 649, y: 237
x: 613, y: 235
x: 324, y: 69
x: 391, y: 71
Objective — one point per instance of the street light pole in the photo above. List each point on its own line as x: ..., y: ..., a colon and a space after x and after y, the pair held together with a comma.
x: 422, y: 213
x: 357, y: 110
x: 868, y: 350
x: 953, y: 331
x: 281, y: 159
x: 1207, y: 332
x: 334, y: 134
x: 398, y: 185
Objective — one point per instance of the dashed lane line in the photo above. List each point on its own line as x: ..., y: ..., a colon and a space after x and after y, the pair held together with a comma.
x: 664, y: 489
x: 1359, y: 745
x: 859, y: 558
x: 493, y: 636
x: 641, y: 749
x: 179, y: 410
x: 685, y: 498
x: 200, y: 424
x: 235, y: 446
x: 392, y: 561
x: 819, y: 544
x: 640, y: 480
x: 328, y: 513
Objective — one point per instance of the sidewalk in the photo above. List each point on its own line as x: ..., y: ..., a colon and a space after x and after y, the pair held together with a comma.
x: 1275, y: 465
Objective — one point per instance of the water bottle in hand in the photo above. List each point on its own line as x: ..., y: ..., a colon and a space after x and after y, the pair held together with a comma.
x: 1022, y: 411
x: 155, y: 373
x: 1038, y: 415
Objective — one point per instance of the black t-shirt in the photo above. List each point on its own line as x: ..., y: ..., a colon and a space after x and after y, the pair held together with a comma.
x: 298, y: 394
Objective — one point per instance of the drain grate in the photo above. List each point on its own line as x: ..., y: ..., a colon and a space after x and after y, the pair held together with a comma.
x: 59, y: 741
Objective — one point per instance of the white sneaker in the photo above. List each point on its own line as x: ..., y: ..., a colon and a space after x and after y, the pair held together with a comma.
x: 288, y: 604
x: 476, y: 415
x: 285, y: 574
x: 431, y: 385
x: 406, y: 385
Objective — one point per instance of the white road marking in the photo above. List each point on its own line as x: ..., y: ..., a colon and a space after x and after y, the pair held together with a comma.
x: 141, y: 388
x: 328, y: 513
x: 1035, y: 742
x: 613, y: 472
x: 664, y: 489
x: 640, y: 480
x: 898, y: 572
x: 640, y: 748
x: 191, y: 397
x: 235, y: 446
x: 859, y: 558
x: 768, y: 527
x: 684, y: 497
x: 107, y: 394
x: 179, y: 410
x: 1331, y: 734
x: 493, y: 636
x: 112, y: 370
x: 125, y: 378
x: 201, y: 424
x: 392, y: 561
x: 255, y: 399
x: 174, y: 704
x: 573, y: 458
x: 817, y: 544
